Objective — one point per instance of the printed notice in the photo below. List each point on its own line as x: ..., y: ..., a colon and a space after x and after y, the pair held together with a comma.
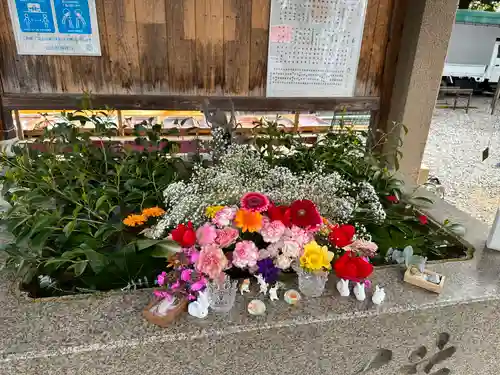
x: 55, y: 27
x: 314, y: 47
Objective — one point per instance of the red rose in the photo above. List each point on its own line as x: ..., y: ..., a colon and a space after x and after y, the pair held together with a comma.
x: 351, y: 267
x: 423, y: 219
x: 341, y: 235
x: 392, y: 199
x: 304, y: 214
x: 184, y: 235
x: 280, y: 213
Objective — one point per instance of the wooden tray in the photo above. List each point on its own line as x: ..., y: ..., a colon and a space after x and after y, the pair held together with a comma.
x: 422, y: 283
x: 165, y: 321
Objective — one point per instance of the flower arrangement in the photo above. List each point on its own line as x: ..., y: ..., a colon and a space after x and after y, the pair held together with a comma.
x: 242, y: 170
x: 264, y: 239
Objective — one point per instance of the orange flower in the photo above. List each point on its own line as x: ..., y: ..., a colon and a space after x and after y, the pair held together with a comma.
x: 134, y: 220
x: 153, y: 212
x: 248, y: 221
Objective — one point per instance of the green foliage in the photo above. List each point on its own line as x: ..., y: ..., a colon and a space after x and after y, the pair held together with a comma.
x: 348, y: 152
x: 69, y: 193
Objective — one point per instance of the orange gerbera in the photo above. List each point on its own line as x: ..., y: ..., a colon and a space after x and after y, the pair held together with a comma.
x: 153, y: 211
x: 134, y: 220
x: 248, y: 221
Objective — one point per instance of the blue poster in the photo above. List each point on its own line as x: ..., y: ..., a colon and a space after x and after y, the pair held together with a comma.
x: 73, y: 16
x: 35, y: 16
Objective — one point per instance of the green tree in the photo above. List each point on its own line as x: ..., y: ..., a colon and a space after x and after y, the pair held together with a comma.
x: 487, y: 5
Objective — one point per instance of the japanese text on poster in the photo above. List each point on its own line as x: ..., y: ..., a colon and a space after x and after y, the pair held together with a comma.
x: 314, y: 47
x: 55, y: 27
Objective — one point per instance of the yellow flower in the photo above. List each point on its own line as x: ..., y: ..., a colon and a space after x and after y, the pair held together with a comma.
x: 316, y: 257
x: 134, y: 220
x: 248, y: 221
x: 153, y: 211
x: 212, y: 210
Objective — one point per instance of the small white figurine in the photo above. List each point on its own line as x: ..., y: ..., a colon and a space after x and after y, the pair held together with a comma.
x: 273, y: 292
x: 245, y: 286
x: 378, y: 296
x: 343, y: 287
x: 256, y: 307
x: 262, y: 283
x: 359, y: 291
x: 199, y: 308
x: 164, y: 306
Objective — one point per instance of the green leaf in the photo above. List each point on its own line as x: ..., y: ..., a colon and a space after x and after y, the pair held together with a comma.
x: 144, y: 244
x: 38, y: 242
x: 161, y: 252
x: 68, y: 228
x: 100, y: 202
x: 78, y: 267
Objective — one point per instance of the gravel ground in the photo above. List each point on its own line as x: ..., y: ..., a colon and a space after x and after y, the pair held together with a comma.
x: 454, y: 154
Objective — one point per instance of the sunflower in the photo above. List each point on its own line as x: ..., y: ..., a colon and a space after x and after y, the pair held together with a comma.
x: 153, y: 211
x: 134, y: 220
x: 248, y: 221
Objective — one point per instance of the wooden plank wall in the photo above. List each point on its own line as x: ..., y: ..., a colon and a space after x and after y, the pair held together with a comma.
x: 177, y: 47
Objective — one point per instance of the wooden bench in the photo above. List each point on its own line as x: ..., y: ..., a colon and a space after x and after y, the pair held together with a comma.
x: 458, y: 92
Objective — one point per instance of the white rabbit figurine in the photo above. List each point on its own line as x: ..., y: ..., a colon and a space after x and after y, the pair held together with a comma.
x: 378, y: 296
x: 359, y: 291
x: 262, y: 283
x: 199, y: 308
x: 343, y: 287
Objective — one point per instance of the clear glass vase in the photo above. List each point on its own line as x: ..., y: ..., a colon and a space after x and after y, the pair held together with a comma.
x: 312, y: 284
x: 221, y: 295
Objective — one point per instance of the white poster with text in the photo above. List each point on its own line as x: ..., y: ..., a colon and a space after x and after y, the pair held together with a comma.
x: 55, y: 27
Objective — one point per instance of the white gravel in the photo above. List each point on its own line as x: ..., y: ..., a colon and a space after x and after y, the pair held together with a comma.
x: 454, y: 154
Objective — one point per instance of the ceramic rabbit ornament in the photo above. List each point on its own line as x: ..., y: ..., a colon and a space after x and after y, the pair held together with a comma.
x: 378, y: 296
x: 262, y: 283
x: 199, y: 308
x: 359, y: 291
x: 164, y: 306
x: 343, y: 287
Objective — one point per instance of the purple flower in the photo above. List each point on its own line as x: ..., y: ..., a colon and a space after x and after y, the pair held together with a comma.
x: 186, y: 274
x: 268, y: 270
x: 199, y: 285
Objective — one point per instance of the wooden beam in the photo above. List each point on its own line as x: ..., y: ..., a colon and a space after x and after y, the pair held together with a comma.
x: 162, y: 102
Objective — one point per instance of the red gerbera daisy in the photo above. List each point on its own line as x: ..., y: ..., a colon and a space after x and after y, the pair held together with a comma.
x: 304, y: 214
x: 341, y: 235
x: 256, y: 202
x: 280, y: 213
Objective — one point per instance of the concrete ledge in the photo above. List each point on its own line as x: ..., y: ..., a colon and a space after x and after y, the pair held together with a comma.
x: 60, y: 335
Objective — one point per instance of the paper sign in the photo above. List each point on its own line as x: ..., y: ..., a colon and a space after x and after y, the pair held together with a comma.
x: 314, y: 47
x: 55, y: 27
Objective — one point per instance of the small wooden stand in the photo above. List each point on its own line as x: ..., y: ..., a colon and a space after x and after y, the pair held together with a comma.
x: 415, y: 277
x: 165, y: 321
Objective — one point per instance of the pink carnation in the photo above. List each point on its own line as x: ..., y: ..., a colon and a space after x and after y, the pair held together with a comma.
x: 211, y: 261
x: 363, y: 247
x: 274, y: 249
x: 245, y: 254
x: 273, y: 231
x: 205, y: 235
x: 256, y: 202
x: 226, y: 237
x: 299, y: 235
x: 224, y: 216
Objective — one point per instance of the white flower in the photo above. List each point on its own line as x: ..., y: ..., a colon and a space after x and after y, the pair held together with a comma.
x: 291, y: 249
x: 283, y: 262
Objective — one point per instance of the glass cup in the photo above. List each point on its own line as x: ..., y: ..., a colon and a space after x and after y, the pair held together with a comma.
x: 221, y: 295
x: 312, y: 284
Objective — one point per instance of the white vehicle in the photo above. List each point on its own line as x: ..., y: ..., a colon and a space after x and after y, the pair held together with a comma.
x: 474, y: 49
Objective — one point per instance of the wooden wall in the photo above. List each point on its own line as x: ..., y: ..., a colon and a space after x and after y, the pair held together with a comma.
x: 177, y: 47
